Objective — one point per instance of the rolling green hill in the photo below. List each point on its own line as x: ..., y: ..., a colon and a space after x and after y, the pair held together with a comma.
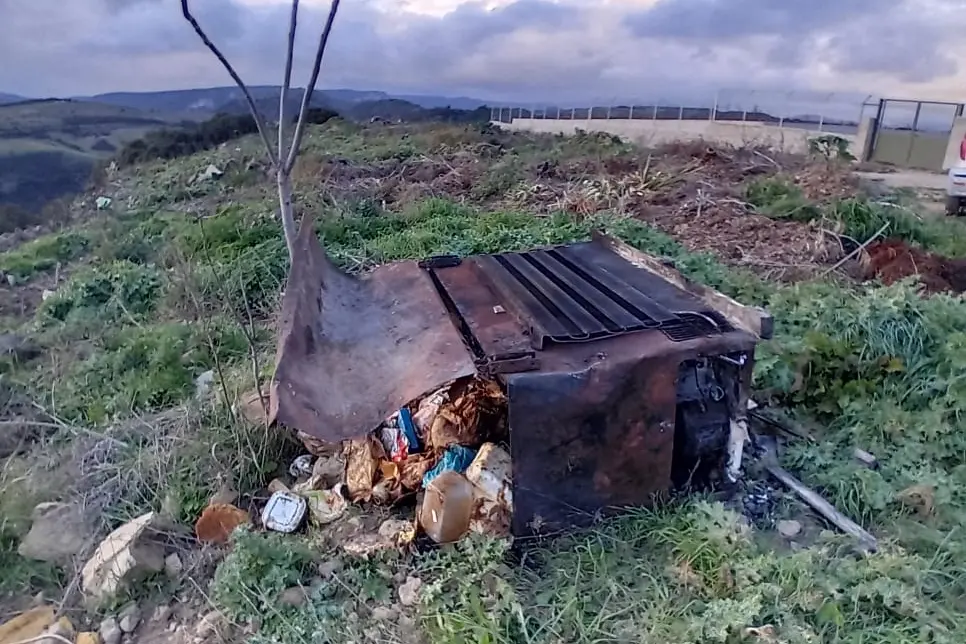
x: 49, y: 147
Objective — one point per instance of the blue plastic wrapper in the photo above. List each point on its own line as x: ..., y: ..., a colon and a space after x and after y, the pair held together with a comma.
x: 456, y: 458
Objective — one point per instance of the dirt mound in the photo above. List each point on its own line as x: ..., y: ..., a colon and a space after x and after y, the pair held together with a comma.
x: 893, y: 259
x: 822, y: 182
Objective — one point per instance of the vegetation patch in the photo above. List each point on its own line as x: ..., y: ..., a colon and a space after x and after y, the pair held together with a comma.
x: 44, y: 253
x: 103, y: 294
x: 144, y: 368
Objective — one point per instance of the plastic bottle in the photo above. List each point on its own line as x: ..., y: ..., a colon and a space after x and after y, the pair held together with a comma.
x: 447, y: 507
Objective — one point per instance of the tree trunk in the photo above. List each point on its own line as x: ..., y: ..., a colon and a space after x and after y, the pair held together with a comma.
x: 284, y: 181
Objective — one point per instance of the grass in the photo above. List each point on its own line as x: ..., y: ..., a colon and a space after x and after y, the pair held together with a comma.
x: 874, y: 367
x: 43, y: 253
x: 859, y: 218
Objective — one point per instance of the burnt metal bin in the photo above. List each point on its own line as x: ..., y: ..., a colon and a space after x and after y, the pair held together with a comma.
x: 622, y: 377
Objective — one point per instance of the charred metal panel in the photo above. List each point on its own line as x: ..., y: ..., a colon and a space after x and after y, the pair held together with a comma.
x: 353, y: 350
x: 584, y: 292
x: 589, y: 441
x: 594, y: 429
x: 498, y: 340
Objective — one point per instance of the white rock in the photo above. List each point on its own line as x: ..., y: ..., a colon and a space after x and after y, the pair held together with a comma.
x: 110, y: 631
x: 789, y: 528
x: 126, y: 555
x: 212, y: 171
x: 129, y: 618
x: 212, y: 623
x: 173, y: 567
x: 59, y: 531
x: 46, y: 294
x: 383, y: 613
x: 162, y: 613
x: 203, y: 383
x: 103, y: 203
x: 409, y: 591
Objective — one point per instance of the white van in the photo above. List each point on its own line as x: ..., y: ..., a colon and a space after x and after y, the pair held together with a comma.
x: 956, y: 184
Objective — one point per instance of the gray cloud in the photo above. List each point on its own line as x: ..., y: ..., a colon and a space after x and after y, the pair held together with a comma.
x: 908, y: 39
x: 730, y: 19
x: 528, y: 49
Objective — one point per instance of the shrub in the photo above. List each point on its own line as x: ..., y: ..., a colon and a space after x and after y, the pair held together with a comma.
x: 44, y: 253
x: 105, y: 293
x: 145, y: 368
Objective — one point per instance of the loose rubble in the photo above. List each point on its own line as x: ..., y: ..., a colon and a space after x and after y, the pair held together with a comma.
x: 127, y: 555
x: 58, y: 532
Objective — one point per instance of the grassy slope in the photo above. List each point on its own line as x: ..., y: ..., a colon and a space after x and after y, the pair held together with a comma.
x: 47, y: 147
x: 876, y: 367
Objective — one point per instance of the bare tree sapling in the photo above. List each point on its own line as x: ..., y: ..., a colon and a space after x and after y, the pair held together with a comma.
x: 281, y: 158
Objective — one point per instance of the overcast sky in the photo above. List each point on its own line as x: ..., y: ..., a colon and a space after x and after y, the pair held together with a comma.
x: 522, y: 50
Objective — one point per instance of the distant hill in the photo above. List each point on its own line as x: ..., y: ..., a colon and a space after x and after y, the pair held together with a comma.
x: 231, y: 100
x: 10, y: 98
x: 49, y: 147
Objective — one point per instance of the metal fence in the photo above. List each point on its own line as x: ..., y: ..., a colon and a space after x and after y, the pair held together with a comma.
x: 914, y: 134
x: 822, y: 112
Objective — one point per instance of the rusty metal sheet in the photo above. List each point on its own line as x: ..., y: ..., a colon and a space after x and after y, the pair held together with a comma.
x: 585, y: 292
x: 351, y: 351
x: 497, y: 337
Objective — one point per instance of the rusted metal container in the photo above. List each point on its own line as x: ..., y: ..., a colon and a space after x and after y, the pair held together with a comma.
x: 623, y: 378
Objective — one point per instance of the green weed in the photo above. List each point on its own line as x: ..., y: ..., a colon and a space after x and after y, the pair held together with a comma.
x: 144, y: 368
x: 337, y: 607
x: 103, y: 294
x: 43, y: 253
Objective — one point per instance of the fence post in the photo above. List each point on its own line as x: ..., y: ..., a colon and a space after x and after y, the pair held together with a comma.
x: 608, y: 111
x: 654, y: 112
x: 630, y: 115
x: 714, y: 108
x: 680, y: 112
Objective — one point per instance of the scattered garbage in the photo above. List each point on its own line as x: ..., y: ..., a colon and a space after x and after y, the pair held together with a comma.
x: 457, y: 459
x: 211, y: 172
x: 399, y: 531
x: 218, y: 521
x: 326, y: 506
x: 301, y: 466
x: 399, y: 436
x: 362, y: 457
x: 447, y: 507
x: 491, y: 472
x: 103, y: 203
x: 284, y: 512
x: 401, y: 386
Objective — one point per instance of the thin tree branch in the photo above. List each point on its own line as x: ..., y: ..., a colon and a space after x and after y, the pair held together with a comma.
x: 259, y: 122
x: 286, y: 83
x: 309, y: 89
